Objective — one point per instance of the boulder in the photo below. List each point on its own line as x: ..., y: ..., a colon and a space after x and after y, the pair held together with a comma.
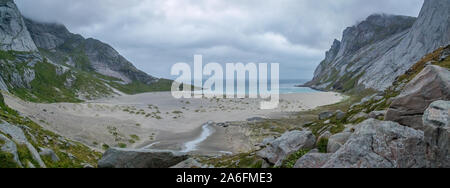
x: 325, y: 115
x: 326, y: 135
x: 10, y: 147
x: 19, y: 137
x: 189, y: 163
x: 377, y: 114
x: 136, y: 158
x: 359, y: 116
x: 337, y: 141
x: 437, y: 134
x: 381, y: 144
x: 278, y: 150
x: 45, y: 152
x: 340, y: 114
x: 430, y: 85
x: 312, y: 160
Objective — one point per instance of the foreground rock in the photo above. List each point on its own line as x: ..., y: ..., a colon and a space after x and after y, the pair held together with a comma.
x: 278, y: 150
x: 336, y: 141
x: 132, y: 158
x: 313, y: 160
x: 437, y: 134
x: 381, y: 144
x: 432, y: 84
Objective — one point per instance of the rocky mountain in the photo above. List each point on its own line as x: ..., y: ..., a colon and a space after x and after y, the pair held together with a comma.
x: 379, y: 49
x: 66, y: 48
x: 44, y: 62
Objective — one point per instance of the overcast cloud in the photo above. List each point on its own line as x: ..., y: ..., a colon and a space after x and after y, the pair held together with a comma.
x: 155, y: 34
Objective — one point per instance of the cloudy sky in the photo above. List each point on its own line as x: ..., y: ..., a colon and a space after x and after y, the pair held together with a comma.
x: 155, y: 34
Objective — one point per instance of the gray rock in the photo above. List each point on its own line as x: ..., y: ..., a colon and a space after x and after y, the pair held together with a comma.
x: 87, y: 165
x: 432, y: 84
x: 312, y: 160
x: 45, y: 152
x: 14, y: 34
x: 189, y: 163
x: 10, y: 147
x: 381, y: 144
x: 359, y: 116
x: 325, y: 135
x: 132, y: 158
x: 340, y: 114
x: 325, y: 115
x: 289, y: 143
x: 437, y: 134
x: 336, y: 141
x: 19, y: 137
x: 377, y: 114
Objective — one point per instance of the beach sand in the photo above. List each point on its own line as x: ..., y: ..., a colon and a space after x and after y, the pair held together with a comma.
x: 157, y: 120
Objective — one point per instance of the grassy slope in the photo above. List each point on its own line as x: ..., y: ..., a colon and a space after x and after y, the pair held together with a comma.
x: 82, y: 153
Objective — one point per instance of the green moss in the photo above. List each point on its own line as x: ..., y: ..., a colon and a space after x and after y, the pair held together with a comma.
x: 134, y: 137
x: 139, y: 87
x: 293, y: 158
x: 121, y: 145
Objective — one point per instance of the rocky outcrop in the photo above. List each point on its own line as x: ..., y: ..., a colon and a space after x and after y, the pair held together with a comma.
x: 279, y: 149
x: 437, y: 134
x: 131, y: 158
x: 432, y: 84
x: 313, y: 160
x: 19, y: 137
x: 56, y: 39
x: 381, y: 144
x: 336, y: 141
x: 375, y: 52
x: 13, y: 31
x: 10, y: 147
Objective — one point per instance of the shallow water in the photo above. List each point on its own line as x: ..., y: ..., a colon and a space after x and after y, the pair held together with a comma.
x: 190, y: 146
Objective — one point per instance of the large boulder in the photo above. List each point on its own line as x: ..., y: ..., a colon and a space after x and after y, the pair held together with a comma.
x: 381, y: 144
x: 312, y: 160
x: 45, y: 152
x: 336, y: 141
x: 432, y: 84
x: 278, y: 150
x: 437, y: 134
x: 325, y: 115
x: 136, y: 158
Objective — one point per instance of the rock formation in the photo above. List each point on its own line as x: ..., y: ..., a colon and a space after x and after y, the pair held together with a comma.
x: 279, y: 149
x: 437, y: 134
x: 131, y: 158
x: 375, y: 52
x: 432, y: 84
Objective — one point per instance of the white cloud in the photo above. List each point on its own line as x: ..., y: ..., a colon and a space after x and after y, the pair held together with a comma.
x: 154, y: 34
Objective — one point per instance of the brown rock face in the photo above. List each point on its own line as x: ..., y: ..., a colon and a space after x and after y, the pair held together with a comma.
x: 432, y: 84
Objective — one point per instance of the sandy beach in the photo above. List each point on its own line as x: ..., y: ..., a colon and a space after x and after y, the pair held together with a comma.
x: 157, y: 120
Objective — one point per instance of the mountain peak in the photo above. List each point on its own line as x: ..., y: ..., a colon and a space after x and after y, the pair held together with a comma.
x: 13, y: 32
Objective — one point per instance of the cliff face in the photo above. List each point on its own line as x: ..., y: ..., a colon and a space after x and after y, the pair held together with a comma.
x: 376, y: 51
x: 64, y: 47
x: 44, y: 62
x: 13, y: 32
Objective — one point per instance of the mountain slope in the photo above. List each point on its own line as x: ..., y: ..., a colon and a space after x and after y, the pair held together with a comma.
x: 43, y: 62
x: 381, y: 48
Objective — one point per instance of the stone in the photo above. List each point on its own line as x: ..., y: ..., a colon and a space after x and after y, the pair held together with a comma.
x: 437, y: 134
x: 136, y: 158
x: 10, y: 147
x: 189, y: 163
x: 278, y: 150
x: 381, y: 144
x: 325, y: 115
x: 325, y: 135
x: 336, y: 141
x: 19, y: 137
x: 430, y: 85
x: 359, y: 116
x: 377, y: 114
x: 45, y: 152
x: 312, y: 160
x: 340, y: 115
